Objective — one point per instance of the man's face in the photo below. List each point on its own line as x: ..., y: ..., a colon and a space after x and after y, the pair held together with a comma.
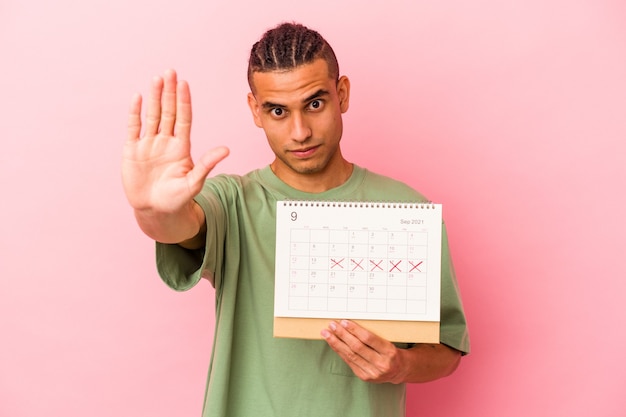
x: 300, y: 112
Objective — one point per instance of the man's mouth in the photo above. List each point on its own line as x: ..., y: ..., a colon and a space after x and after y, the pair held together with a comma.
x: 304, y: 152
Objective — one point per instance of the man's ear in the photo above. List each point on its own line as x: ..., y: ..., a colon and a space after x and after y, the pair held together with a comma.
x: 343, y: 93
x: 255, y: 109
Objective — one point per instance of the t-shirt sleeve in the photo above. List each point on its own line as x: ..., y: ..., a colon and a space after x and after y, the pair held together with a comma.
x: 180, y: 268
x: 453, y: 325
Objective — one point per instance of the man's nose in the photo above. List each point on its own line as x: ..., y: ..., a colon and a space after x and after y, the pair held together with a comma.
x: 300, y: 130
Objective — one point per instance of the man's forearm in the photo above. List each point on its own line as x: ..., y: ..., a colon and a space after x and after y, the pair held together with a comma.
x: 427, y: 362
x: 183, y: 226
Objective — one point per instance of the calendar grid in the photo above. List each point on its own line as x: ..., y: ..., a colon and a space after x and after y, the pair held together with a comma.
x: 358, y: 271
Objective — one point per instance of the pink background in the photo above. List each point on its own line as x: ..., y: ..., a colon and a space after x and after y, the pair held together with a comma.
x: 510, y: 113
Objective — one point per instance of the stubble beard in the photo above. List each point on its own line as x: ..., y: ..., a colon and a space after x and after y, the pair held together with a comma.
x: 308, y: 167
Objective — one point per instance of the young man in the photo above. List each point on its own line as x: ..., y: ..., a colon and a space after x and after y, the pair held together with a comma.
x: 222, y: 229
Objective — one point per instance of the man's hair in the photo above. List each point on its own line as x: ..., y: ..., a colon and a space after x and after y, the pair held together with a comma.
x: 288, y: 46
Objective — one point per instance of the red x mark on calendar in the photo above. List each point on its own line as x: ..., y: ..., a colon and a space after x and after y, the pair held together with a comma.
x: 356, y: 264
x: 395, y: 266
x: 415, y: 266
x: 337, y: 263
x: 376, y: 265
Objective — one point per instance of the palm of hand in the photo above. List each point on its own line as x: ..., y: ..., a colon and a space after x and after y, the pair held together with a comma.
x: 155, y: 171
x: 158, y: 172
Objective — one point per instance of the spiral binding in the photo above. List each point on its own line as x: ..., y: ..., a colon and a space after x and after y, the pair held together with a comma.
x: 358, y: 204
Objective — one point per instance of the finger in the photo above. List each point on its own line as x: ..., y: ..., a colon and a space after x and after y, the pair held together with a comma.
x: 182, y: 127
x: 134, y: 118
x: 213, y: 157
x: 168, y: 103
x: 345, y: 343
x: 153, y: 111
x: 203, y: 167
x: 358, y: 364
x: 361, y: 342
x: 368, y: 338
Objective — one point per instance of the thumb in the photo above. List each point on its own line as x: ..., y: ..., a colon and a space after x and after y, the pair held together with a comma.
x: 205, y: 164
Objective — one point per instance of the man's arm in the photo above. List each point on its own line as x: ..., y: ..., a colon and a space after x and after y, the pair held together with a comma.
x: 199, y: 240
x: 374, y: 359
x: 159, y: 177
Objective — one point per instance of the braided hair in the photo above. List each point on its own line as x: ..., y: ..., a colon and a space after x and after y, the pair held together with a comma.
x: 288, y: 46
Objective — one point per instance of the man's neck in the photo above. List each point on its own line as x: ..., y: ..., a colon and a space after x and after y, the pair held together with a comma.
x: 316, y: 182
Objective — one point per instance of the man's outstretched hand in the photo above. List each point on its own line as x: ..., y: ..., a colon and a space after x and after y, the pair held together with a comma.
x: 159, y: 177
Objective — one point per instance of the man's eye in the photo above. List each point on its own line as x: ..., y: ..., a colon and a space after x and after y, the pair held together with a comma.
x: 316, y: 104
x: 277, y: 112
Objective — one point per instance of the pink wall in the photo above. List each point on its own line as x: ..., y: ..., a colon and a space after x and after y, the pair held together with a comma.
x: 510, y: 113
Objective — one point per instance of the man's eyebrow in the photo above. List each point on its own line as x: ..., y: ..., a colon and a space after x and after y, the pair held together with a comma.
x: 270, y: 105
x: 319, y: 93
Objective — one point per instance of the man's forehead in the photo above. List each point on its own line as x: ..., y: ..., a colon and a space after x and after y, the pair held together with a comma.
x: 302, y: 80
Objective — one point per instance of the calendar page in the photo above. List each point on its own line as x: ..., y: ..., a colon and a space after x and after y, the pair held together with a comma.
x: 358, y: 260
